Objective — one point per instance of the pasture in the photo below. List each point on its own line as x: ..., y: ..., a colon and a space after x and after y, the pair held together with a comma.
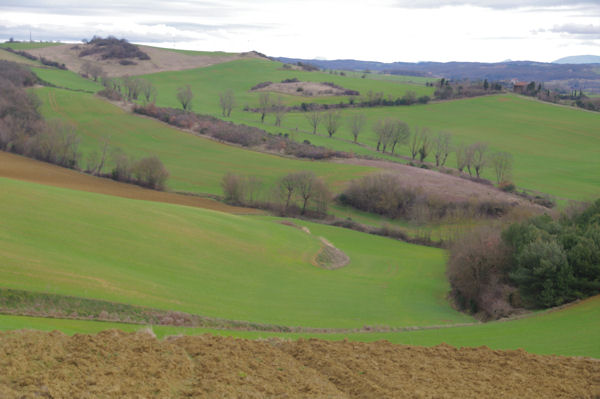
x: 249, y: 268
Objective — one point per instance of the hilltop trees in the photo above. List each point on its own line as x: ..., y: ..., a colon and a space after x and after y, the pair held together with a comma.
x: 185, y: 96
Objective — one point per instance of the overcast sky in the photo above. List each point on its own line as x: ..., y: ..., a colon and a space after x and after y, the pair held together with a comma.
x: 377, y: 30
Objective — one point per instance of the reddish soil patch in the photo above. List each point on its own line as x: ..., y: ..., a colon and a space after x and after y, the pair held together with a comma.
x: 160, y: 60
x: 21, y: 168
x: 444, y: 186
x: 116, y: 364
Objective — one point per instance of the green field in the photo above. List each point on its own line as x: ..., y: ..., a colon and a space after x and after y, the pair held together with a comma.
x: 29, y: 45
x: 67, y: 79
x: 195, y: 164
x: 12, y: 57
x: 220, y: 265
x: 241, y: 75
x: 570, y: 332
x: 554, y: 147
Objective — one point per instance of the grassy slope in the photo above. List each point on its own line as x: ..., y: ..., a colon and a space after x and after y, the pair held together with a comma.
x: 67, y: 79
x: 554, y: 147
x: 6, y: 56
x: 28, y: 45
x: 195, y: 164
x: 574, y: 331
x: 235, y: 267
x: 241, y: 75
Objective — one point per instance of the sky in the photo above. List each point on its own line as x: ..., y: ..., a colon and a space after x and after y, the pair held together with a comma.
x: 376, y: 30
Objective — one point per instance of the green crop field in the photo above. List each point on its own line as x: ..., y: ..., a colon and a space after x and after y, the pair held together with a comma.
x: 554, y: 147
x: 574, y: 331
x: 214, y: 264
x: 195, y: 164
x: 241, y: 75
x: 67, y: 79
x: 28, y: 45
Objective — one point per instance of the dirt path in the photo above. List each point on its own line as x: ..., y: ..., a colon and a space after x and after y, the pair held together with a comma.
x: 21, y: 168
x: 114, y: 364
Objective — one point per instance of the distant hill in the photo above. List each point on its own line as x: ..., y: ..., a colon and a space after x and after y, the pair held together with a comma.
x: 579, y: 59
x: 522, y: 70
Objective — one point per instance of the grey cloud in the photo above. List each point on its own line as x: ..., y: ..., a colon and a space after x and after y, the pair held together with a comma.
x: 577, y: 29
x: 496, y: 4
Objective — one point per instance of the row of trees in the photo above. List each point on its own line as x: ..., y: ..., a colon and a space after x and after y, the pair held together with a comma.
x: 299, y: 193
x: 538, y: 263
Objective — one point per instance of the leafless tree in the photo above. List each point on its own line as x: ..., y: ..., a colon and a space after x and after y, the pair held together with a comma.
x: 96, y: 160
x: 185, y: 96
x: 357, y: 122
x: 227, y: 101
x: 332, y: 121
x: 461, y: 157
x: 151, y: 172
x: 469, y: 154
x: 400, y: 134
x: 441, y: 148
x: 148, y: 90
x: 424, y: 143
x: 313, y: 117
x: 479, y: 157
x: 279, y: 109
x: 264, y: 102
x: 288, y: 185
x: 414, y: 144
x: 132, y: 87
x: 92, y: 70
x: 502, y: 163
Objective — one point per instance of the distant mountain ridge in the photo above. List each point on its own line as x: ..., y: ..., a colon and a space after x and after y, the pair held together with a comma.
x: 579, y: 59
x: 521, y: 70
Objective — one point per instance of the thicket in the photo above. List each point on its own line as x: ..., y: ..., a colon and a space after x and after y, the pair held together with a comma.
x: 299, y: 193
x: 243, y: 135
x: 112, y: 48
x: 538, y: 263
x: 385, y: 194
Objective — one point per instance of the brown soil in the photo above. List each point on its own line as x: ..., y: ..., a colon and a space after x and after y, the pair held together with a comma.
x: 444, y: 186
x: 21, y: 168
x: 160, y: 60
x: 114, y: 364
x: 308, y: 89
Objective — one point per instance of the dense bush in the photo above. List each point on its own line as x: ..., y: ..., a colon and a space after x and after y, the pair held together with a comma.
x: 549, y: 261
x: 385, y: 194
x: 113, y: 48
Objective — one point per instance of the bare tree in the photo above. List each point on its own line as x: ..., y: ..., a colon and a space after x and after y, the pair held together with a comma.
x: 479, y: 157
x: 227, y: 101
x: 461, y: 157
x: 313, y: 117
x: 332, y: 121
x: 148, y: 91
x: 92, y: 70
x: 502, y: 162
x: 264, y: 103
x: 132, y: 87
x: 382, y: 131
x: 96, y: 160
x: 424, y: 143
x: 357, y: 122
x: 414, y: 144
x: 441, y: 148
x: 233, y: 188
x: 400, y: 135
x: 469, y: 154
x: 279, y: 109
x: 151, y: 172
x: 185, y: 96
x: 287, y: 185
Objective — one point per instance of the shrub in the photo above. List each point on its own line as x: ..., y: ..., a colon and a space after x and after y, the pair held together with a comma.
x: 150, y: 172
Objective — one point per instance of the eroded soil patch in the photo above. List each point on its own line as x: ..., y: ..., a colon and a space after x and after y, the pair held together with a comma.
x: 115, y: 364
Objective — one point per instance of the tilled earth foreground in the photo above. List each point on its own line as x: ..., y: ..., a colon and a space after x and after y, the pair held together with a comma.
x: 137, y: 365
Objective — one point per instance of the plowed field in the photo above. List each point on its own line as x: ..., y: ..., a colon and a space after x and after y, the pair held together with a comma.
x: 117, y: 364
